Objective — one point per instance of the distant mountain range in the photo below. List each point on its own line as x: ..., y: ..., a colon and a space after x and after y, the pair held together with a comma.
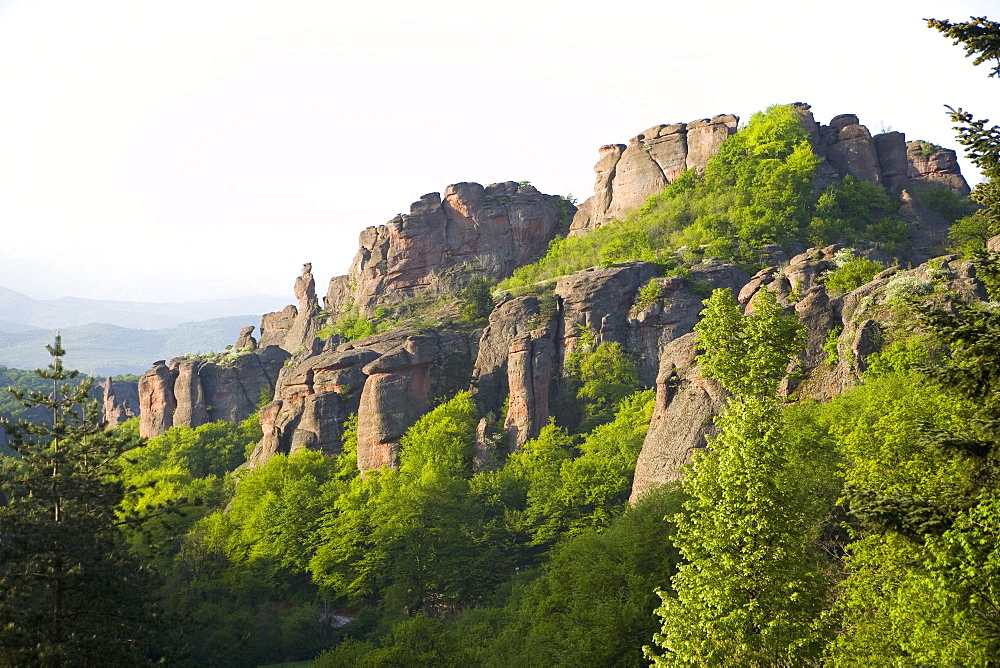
x: 104, y: 337
x: 19, y: 312
x: 109, y: 350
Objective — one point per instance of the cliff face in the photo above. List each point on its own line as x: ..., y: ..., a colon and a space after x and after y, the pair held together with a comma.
x: 193, y: 392
x: 119, y: 401
x: 445, y: 241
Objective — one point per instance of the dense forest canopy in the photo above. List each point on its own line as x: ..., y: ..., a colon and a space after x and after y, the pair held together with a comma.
x: 862, y: 530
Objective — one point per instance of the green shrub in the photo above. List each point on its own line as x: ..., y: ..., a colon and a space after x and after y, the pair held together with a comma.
x: 970, y: 234
x: 851, y: 273
x: 945, y: 203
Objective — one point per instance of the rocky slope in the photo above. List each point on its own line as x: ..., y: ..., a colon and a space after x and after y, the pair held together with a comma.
x: 390, y: 379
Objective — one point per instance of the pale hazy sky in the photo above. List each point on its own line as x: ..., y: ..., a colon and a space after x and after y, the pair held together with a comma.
x: 174, y: 150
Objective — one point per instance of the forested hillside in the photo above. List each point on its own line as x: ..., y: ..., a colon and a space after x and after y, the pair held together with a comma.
x: 752, y: 421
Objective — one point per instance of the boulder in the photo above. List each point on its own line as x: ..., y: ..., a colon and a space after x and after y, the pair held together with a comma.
x: 246, y: 340
x: 931, y: 165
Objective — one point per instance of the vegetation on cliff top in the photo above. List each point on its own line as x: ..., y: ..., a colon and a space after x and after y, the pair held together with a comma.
x: 757, y: 190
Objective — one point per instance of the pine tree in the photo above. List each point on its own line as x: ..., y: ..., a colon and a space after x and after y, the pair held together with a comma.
x: 70, y: 594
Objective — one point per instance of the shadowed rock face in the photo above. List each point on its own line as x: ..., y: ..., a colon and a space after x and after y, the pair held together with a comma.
x: 510, y: 320
x: 445, y: 241
x: 683, y: 417
x: 119, y: 401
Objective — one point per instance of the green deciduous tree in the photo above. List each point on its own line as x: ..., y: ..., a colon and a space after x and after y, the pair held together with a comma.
x: 754, y: 587
x: 749, y: 355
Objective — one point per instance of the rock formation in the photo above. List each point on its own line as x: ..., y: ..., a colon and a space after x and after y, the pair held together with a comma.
x: 156, y: 400
x: 931, y: 165
x: 192, y: 392
x: 686, y: 405
x: 628, y: 175
x: 119, y: 401
x: 443, y: 242
x: 293, y: 328
x: 686, y: 402
x: 246, y: 340
x: 530, y: 362
x: 388, y: 380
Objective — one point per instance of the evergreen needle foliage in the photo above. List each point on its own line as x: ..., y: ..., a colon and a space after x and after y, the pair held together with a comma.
x: 70, y: 593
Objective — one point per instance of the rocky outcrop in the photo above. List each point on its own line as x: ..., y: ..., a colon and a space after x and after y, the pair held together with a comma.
x: 246, y: 340
x: 674, y: 311
x: 305, y: 325
x: 396, y: 394
x: 294, y: 328
x: 191, y: 392
x: 313, y: 395
x: 156, y: 400
x: 851, y: 149
x: 119, y: 401
x: 510, y: 320
x: 683, y: 417
x: 931, y: 165
x: 599, y: 299
x: 445, y: 241
x: 628, y: 175
x: 191, y: 409
x: 388, y: 380
x: 234, y: 385
x: 530, y: 363
x: 274, y: 327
